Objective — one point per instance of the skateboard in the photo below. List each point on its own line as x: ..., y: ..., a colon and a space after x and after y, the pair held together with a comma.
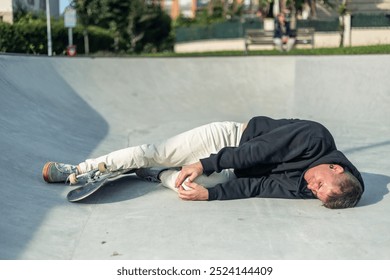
x: 94, y: 180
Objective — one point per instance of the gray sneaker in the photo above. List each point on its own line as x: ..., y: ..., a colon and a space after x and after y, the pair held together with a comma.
x: 55, y: 172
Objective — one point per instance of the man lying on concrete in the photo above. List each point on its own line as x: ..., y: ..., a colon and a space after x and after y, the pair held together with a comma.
x: 286, y: 158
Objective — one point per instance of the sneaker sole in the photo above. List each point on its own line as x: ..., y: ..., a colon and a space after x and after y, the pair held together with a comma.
x: 45, y: 172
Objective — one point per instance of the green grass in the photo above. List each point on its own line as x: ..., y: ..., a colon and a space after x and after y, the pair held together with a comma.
x: 379, y: 49
x: 363, y: 50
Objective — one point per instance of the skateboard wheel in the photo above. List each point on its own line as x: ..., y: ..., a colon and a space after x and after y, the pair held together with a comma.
x: 102, y: 167
x: 73, y: 179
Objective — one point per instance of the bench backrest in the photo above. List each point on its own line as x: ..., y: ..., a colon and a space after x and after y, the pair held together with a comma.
x: 264, y: 33
x: 258, y: 33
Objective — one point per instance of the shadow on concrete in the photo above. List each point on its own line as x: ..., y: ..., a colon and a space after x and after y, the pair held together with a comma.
x: 123, y: 189
x: 42, y: 119
x: 375, y: 184
x: 375, y: 188
x: 130, y: 187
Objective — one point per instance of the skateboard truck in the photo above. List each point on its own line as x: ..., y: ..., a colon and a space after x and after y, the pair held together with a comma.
x: 73, y: 179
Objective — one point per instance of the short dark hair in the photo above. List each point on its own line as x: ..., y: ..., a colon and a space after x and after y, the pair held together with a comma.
x: 351, y: 192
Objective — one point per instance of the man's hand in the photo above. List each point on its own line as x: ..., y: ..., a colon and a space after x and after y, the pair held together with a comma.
x: 194, y: 192
x: 189, y: 171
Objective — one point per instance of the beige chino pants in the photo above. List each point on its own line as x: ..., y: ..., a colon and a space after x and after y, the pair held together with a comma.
x: 183, y: 149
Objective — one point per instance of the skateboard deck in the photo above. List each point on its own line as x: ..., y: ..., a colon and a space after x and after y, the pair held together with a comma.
x: 94, y: 183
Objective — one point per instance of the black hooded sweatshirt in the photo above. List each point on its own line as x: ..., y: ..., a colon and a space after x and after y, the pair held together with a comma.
x: 272, y: 157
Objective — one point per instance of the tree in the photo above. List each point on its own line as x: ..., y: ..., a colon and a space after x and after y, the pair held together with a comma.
x: 19, y: 10
x: 131, y: 21
x: 342, y: 13
x: 84, y: 10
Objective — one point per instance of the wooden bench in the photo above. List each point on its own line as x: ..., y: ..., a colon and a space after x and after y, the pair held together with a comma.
x: 304, y: 36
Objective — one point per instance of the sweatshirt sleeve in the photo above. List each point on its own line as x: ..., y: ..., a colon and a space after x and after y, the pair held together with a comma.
x: 283, y: 144
x: 267, y: 187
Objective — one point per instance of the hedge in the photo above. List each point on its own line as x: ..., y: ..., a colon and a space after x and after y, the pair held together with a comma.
x: 31, y: 38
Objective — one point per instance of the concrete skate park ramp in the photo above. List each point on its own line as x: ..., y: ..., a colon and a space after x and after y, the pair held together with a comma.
x: 67, y: 110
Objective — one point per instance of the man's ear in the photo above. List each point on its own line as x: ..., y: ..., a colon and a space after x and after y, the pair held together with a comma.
x: 338, y: 169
